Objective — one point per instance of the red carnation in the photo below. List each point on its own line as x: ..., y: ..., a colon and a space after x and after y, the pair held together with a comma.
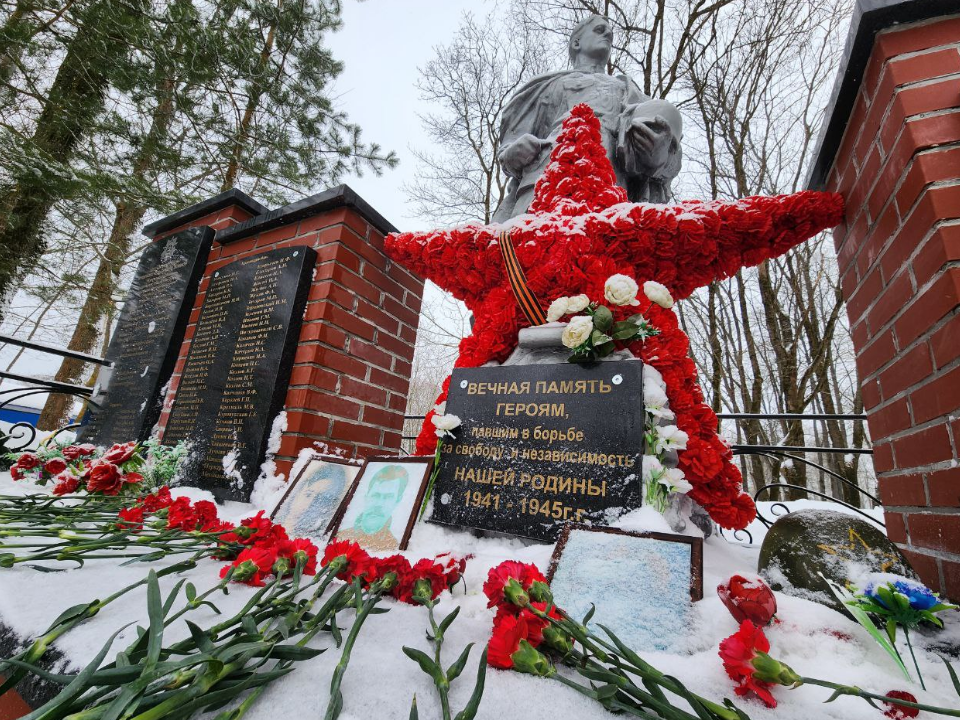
x: 28, y: 461
x: 131, y: 518
x: 505, y: 640
x: 67, y: 484
x: 252, y: 566
x: 453, y: 566
x: 356, y: 556
x: 104, y: 477
x: 206, y: 513
x: 119, y: 454
x: 524, y: 573
x: 374, y: 569
x: 426, y: 579
x: 738, y: 652
x: 300, y: 550
x: 158, y: 500
x: 55, y: 466
x: 749, y: 600
x: 180, y: 514
x: 899, y: 712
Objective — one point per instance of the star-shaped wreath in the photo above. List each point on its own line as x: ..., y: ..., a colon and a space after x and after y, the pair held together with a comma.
x: 580, y: 231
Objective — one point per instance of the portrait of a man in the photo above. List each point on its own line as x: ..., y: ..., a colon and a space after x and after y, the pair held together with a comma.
x: 317, y: 493
x: 380, y: 508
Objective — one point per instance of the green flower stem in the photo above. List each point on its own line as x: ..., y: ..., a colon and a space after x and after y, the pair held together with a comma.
x: 433, y: 479
x: 443, y: 685
x: 866, y: 695
x: 906, y: 634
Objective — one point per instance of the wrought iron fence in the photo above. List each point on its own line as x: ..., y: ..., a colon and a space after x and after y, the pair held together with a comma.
x: 22, y: 434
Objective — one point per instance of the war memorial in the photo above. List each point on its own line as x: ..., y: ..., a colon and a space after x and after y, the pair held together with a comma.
x: 561, y: 542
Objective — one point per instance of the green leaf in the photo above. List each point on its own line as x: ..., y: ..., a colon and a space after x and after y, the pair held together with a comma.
x: 168, y: 605
x: 191, y: 591
x: 589, y: 615
x: 892, y: 630
x: 453, y: 672
x: 605, y: 692
x: 445, y: 623
x: 598, y: 338
x: 200, y: 638
x: 294, y: 652
x: 602, y: 319
x: 470, y: 710
x: 413, y: 709
x: 953, y: 675
x: 625, y: 330
x: 425, y: 662
x: 605, y: 349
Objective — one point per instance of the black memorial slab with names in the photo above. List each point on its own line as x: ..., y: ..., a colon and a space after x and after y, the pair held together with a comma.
x: 148, y: 336
x: 540, y: 446
x: 235, y: 378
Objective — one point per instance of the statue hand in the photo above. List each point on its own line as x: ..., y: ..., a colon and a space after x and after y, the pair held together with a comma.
x: 651, y: 138
x: 522, y: 152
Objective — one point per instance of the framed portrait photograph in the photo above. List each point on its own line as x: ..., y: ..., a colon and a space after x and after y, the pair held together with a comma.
x: 315, y: 494
x: 642, y: 584
x: 380, y: 508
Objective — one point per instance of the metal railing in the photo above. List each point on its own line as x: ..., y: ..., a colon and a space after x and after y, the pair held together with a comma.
x: 21, y: 434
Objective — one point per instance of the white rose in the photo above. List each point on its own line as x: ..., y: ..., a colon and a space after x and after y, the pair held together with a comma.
x: 658, y: 293
x: 675, y: 481
x: 577, y: 331
x: 577, y: 303
x: 444, y: 424
x: 652, y: 468
x: 558, y: 308
x: 621, y: 290
x: 670, y: 437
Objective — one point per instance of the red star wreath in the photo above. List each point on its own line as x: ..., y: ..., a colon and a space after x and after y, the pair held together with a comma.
x: 582, y: 230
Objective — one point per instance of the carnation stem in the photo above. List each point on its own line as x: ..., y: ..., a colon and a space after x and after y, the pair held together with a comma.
x: 866, y: 695
x: 335, y: 704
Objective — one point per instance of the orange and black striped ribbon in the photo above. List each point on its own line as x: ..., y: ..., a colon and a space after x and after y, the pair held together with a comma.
x: 525, y: 298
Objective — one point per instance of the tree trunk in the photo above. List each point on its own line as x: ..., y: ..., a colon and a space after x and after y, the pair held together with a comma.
x: 73, y: 103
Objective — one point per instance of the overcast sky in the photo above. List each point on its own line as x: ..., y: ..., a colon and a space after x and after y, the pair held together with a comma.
x: 382, y: 44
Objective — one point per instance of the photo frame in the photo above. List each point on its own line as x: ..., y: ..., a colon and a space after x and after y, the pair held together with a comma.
x: 380, y: 509
x: 641, y: 583
x: 313, y: 497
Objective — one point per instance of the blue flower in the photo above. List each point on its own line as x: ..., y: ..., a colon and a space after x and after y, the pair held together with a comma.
x: 921, y: 597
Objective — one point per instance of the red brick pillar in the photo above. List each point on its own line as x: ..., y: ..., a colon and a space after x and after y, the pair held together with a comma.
x: 891, y: 146
x: 351, y: 373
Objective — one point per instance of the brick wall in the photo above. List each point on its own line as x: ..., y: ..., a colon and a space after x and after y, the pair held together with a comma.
x: 898, y: 166
x: 351, y: 372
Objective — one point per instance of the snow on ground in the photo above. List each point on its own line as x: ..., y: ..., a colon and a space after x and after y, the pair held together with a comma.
x: 381, y: 680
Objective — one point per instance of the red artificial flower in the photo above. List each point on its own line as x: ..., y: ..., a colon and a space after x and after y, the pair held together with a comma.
x: 899, y: 712
x: 252, y: 565
x: 524, y: 573
x: 104, y: 477
x: 67, y: 484
x: 55, y: 466
x: 356, y: 556
x: 505, y: 640
x: 180, y: 514
x: 28, y: 461
x: 300, y: 550
x: 751, y: 600
x: 737, y: 653
x: 119, y: 454
x: 157, y: 501
x: 71, y: 452
x: 132, y: 478
x: 15, y: 473
x: 131, y: 518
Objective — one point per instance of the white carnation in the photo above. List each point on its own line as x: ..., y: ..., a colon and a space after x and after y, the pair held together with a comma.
x: 445, y: 424
x: 675, y: 481
x: 658, y: 293
x: 670, y: 437
x: 558, y: 308
x: 577, y: 303
x: 577, y: 331
x: 655, y: 401
x: 652, y: 468
x: 621, y: 290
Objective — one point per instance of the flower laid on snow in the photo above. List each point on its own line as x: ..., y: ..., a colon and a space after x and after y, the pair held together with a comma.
x: 748, y: 599
x: 899, y: 712
x: 445, y: 425
x: 658, y: 294
x: 513, y: 583
x: 577, y: 331
x: 745, y: 660
x: 252, y: 565
x: 621, y: 290
x: 67, y: 484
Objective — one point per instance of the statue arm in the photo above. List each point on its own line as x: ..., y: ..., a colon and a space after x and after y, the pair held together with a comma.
x: 648, y: 140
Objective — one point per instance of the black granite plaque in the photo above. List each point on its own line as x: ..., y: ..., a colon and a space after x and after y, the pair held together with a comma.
x: 147, y: 338
x: 236, y: 375
x: 540, y: 446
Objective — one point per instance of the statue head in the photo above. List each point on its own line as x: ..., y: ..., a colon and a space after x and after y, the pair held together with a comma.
x: 591, y: 42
